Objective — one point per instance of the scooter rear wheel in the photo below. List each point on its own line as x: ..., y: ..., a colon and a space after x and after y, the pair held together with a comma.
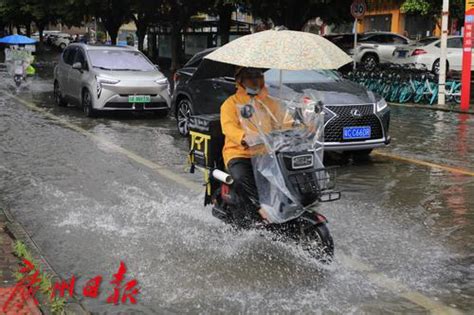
x: 17, y: 81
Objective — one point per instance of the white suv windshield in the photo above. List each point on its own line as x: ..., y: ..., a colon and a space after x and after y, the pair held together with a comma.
x: 125, y: 60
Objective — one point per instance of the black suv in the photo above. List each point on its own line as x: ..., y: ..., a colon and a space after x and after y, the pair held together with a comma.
x: 356, y: 119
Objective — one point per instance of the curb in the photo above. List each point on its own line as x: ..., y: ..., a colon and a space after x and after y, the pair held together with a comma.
x: 434, y: 107
x: 19, y: 233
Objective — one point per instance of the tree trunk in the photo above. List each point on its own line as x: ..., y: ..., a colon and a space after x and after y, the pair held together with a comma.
x: 152, y: 47
x: 141, y: 40
x: 225, y: 20
x: 40, y: 31
x: 142, y: 25
x: 175, y: 47
x: 112, y: 28
x: 28, y: 29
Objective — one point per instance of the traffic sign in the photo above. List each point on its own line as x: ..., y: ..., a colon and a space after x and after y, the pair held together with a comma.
x: 359, y: 7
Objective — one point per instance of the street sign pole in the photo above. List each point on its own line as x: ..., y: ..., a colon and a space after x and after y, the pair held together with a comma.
x: 355, y: 42
x: 467, y: 56
x: 358, y: 8
x: 444, y: 52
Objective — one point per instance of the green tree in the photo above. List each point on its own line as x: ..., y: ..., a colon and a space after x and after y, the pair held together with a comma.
x: 72, y: 12
x: 145, y: 12
x: 178, y: 13
x: 14, y: 13
x: 112, y: 13
x: 42, y: 12
x: 224, y: 9
x: 432, y: 9
x: 295, y: 14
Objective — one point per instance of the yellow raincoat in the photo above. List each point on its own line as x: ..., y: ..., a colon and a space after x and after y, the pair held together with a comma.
x: 230, y: 121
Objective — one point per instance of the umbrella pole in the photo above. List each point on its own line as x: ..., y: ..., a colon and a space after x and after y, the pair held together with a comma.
x: 281, y: 84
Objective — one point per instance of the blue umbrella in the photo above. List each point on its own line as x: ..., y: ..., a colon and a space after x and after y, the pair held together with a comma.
x: 17, y: 40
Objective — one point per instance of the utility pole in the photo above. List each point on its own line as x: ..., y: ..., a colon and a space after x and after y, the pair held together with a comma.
x: 444, y: 52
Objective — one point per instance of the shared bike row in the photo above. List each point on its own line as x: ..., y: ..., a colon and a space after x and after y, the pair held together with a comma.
x: 406, y: 84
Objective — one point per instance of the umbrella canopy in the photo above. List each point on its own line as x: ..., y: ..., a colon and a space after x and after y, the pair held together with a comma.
x: 17, y: 40
x: 277, y: 49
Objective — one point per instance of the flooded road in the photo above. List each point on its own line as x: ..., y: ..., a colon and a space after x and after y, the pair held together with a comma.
x: 404, y: 233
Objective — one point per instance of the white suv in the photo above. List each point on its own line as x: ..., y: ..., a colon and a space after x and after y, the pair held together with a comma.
x: 110, y: 78
x: 376, y: 48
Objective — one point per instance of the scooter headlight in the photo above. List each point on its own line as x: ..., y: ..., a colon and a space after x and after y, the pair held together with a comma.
x: 302, y: 161
x: 381, y: 105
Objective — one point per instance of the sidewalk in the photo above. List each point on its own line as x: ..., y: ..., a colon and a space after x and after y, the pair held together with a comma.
x: 9, y: 264
x: 445, y: 108
x: 10, y: 232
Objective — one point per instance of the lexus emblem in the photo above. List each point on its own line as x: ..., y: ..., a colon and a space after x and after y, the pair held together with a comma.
x: 356, y: 113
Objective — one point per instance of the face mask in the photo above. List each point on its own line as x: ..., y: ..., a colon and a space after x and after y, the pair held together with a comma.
x: 251, y: 91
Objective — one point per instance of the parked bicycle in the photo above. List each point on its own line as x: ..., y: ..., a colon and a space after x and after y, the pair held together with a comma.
x: 406, y: 83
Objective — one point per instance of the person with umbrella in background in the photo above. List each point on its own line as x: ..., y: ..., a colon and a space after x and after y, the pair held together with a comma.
x: 18, y: 58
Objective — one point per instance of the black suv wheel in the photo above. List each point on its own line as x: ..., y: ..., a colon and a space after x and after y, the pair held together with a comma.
x: 183, y: 113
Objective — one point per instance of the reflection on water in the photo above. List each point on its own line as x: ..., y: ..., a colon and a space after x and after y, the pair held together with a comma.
x: 88, y: 208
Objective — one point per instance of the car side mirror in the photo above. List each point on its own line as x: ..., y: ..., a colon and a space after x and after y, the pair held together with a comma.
x: 247, y: 111
x: 77, y: 66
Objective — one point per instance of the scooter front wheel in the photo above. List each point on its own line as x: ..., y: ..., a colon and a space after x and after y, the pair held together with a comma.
x: 318, y: 242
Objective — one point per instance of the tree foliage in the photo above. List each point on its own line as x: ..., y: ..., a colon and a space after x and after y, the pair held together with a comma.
x: 295, y: 14
x: 433, y: 9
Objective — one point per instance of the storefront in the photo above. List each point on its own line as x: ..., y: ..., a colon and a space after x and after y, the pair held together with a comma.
x: 387, y: 17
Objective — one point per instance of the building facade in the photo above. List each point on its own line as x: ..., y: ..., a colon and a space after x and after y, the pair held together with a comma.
x: 387, y: 16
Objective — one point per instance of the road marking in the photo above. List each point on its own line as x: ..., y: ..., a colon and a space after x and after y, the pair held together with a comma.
x: 376, y: 278
x: 447, y: 168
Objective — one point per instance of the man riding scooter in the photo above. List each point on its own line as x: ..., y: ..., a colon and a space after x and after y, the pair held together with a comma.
x: 237, y: 151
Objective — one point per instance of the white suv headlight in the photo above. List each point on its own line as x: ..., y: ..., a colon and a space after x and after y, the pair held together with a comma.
x: 101, y: 80
x: 381, y: 104
x: 162, y: 81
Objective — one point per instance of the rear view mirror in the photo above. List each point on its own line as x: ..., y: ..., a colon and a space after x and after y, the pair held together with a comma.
x: 247, y: 111
x: 77, y: 66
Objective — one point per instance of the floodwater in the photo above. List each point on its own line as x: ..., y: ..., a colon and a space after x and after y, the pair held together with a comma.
x: 88, y: 208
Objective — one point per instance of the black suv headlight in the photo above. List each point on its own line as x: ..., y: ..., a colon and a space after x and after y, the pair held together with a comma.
x: 381, y: 105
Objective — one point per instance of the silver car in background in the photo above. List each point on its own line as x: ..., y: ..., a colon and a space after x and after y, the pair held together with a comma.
x: 377, y: 48
x: 110, y: 78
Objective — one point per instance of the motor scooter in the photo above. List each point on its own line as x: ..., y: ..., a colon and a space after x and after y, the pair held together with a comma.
x: 287, y: 144
x: 19, y: 72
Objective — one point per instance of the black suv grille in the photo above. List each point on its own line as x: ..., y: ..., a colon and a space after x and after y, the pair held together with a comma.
x: 344, y: 118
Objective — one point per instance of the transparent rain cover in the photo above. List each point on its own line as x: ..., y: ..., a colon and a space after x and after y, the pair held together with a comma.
x: 294, y: 123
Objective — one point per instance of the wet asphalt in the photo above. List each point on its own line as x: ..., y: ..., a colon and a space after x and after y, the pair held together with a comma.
x: 88, y: 207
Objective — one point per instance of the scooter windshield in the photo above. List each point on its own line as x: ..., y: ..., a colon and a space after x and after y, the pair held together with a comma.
x: 286, y: 139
